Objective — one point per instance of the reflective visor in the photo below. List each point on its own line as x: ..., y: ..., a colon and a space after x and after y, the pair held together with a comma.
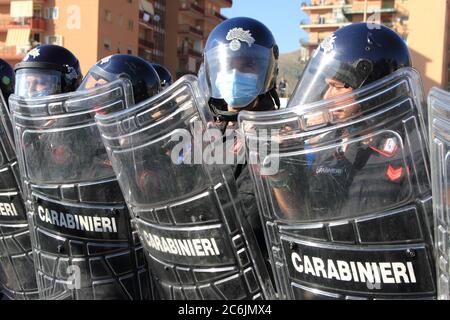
x: 92, y: 81
x: 326, y: 77
x: 32, y: 83
x: 239, y: 76
x: 203, y: 82
x: 96, y: 78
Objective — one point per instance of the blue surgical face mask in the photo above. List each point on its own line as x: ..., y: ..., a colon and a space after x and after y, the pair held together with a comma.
x: 236, y: 88
x: 43, y: 93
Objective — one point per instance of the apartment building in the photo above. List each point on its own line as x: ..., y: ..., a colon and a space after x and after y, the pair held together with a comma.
x: 152, y: 30
x: 172, y: 32
x: 429, y: 41
x: 190, y: 23
x: 326, y: 16
x: 91, y: 29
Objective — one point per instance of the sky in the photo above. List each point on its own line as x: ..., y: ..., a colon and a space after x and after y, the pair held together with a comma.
x: 282, y: 17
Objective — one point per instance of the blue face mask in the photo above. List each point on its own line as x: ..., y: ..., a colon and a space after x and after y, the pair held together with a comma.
x: 40, y: 94
x: 236, y: 88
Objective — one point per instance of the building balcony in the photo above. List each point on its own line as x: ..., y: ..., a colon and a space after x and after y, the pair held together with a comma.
x: 323, y: 6
x: 151, y: 24
x: 33, y: 23
x: 223, y: 3
x: 147, y: 44
x: 185, y: 54
x: 190, y: 30
x: 214, y: 16
x: 323, y: 24
x: 13, y: 54
x: 189, y: 61
x: 311, y: 43
x: 348, y: 11
x: 192, y: 9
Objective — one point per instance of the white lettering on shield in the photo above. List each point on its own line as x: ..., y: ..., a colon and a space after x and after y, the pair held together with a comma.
x: 8, y: 210
x: 354, y: 271
x: 185, y: 247
x: 77, y: 222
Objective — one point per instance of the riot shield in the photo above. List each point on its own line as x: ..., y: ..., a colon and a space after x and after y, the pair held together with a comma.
x: 16, y: 260
x: 197, y: 241
x: 439, y: 116
x: 83, y: 242
x: 344, y: 193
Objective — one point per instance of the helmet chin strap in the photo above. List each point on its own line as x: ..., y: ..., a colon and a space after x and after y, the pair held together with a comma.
x: 276, y: 99
x: 224, y: 115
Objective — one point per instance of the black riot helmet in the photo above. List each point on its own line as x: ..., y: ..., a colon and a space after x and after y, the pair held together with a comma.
x: 164, y: 75
x: 350, y: 58
x: 241, y: 62
x: 47, y: 70
x: 7, y: 79
x: 142, y: 75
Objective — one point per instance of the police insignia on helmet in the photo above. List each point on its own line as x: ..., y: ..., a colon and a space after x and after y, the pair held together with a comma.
x: 33, y: 53
x: 327, y: 45
x: 236, y: 35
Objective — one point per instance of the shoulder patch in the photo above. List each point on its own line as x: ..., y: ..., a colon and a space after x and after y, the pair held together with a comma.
x: 387, y: 148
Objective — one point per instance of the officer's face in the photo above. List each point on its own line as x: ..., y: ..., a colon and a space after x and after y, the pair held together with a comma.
x: 245, y: 65
x: 36, y: 85
x: 91, y: 82
x: 335, y: 88
x: 37, y: 82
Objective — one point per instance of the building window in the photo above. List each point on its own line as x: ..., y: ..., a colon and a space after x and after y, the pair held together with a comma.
x: 108, y: 15
x: 55, y: 39
x: 130, y: 51
x: 52, y: 13
x: 37, y: 11
x: 130, y: 25
x: 37, y: 37
x: 107, y: 44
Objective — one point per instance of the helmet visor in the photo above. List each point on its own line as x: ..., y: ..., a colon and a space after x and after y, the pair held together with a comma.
x: 203, y: 82
x: 32, y: 83
x: 326, y: 77
x: 239, y: 76
x: 96, y: 78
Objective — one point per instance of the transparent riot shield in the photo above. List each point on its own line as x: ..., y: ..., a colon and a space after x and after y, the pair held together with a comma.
x: 344, y: 193
x: 198, y: 243
x: 83, y: 242
x: 16, y: 260
x: 439, y: 116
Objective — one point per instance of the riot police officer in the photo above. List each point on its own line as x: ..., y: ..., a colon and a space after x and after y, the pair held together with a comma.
x: 15, y: 282
x: 146, y: 83
x: 47, y: 70
x: 351, y: 58
x: 241, y: 67
x: 240, y: 71
x: 67, y: 150
x: 164, y: 75
x: 144, y: 78
x: 352, y: 167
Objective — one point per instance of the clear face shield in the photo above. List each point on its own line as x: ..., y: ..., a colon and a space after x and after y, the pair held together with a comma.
x: 203, y: 82
x: 239, y: 76
x: 326, y: 77
x: 33, y: 83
